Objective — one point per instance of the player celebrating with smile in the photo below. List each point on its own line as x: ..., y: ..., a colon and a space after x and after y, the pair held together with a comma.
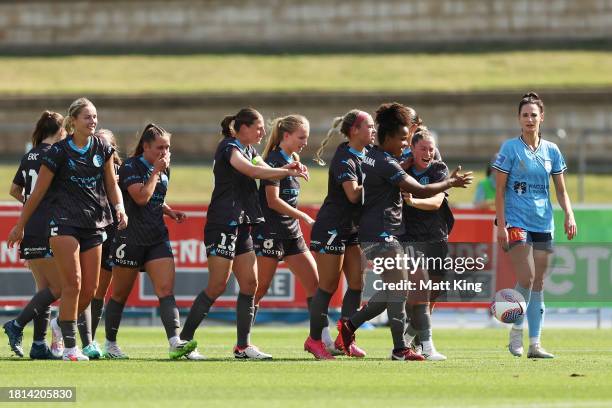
x: 234, y: 208
x: 381, y: 223
x: 81, y: 169
x: 428, y: 222
x: 334, y: 239
x: 280, y: 237
x: 524, y: 215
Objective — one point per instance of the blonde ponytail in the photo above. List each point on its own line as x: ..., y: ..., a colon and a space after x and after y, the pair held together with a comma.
x: 340, y: 125
x: 333, y: 131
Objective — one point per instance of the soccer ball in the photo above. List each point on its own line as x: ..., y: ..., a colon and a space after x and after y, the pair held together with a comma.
x: 508, y: 305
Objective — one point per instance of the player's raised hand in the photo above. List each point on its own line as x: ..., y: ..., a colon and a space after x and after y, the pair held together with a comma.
x: 297, y: 169
x: 407, y: 163
x: 15, y: 236
x: 461, y: 180
x: 162, y: 163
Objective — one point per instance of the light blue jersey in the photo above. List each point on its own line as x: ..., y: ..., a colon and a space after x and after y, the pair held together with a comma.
x: 527, y: 201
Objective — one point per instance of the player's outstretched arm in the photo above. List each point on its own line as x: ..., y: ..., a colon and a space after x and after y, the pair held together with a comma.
x: 240, y: 163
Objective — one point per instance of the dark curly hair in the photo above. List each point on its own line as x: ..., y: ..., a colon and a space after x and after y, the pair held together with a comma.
x: 392, y: 117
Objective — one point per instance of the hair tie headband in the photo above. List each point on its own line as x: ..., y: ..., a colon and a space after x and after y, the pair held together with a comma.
x: 359, y: 119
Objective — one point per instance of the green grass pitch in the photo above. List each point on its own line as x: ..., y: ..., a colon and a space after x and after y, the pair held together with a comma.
x: 479, y: 372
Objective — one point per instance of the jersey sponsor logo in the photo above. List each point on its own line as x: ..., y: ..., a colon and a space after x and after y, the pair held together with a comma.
x: 520, y: 187
x: 97, y: 160
x: 537, y: 188
x: 33, y: 156
x: 291, y: 191
x: 499, y: 160
x: 157, y: 199
x: 86, y: 182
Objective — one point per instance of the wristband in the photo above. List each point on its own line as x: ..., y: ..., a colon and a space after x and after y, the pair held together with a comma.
x: 119, y: 207
x: 256, y: 160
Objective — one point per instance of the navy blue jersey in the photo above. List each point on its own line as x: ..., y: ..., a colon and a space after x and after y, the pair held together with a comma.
x: 26, y: 176
x: 381, y: 215
x: 428, y: 226
x: 279, y: 225
x: 234, y: 199
x: 146, y: 223
x: 79, y: 194
x: 337, y: 212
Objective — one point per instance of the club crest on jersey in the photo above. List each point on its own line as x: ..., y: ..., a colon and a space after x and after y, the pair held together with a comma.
x: 520, y: 187
x: 97, y: 160
x: 548, y: 165
x: 71, y: 164
x: 424, y: 180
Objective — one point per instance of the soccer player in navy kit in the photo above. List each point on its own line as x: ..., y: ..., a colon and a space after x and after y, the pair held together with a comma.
x: 280, y: 236
x: 81, y: 170
x: 524, y: 215
x: 428, y: 222
x: 233, y: 209
x: 381, y: 223
x: 334, y: 240
x: 90, y: 318
x: 143, y: 179
x: 35, y: 247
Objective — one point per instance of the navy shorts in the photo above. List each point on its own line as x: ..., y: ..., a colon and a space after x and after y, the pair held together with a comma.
x: 32, y: 247
x: 107, y: 257
x: 227, y: 241
x: 329, y: 241
x: 278, y: 248
x: 542, y: 241
x: 388, y: 247
x: 128, y: 255
x: 435, y: 251
x: 87, y: 237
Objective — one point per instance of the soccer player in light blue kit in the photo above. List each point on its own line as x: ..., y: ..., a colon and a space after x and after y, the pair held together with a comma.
x: 524, y: 215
